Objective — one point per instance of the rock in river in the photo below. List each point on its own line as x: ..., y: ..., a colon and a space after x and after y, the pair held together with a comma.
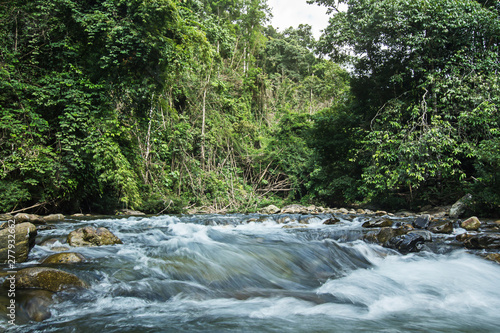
x: 45, y: 278
x: 481, y: 241
x: 471, y: 224
x: 24, y: 235
x: 90, y: 236
x: 64, y: 258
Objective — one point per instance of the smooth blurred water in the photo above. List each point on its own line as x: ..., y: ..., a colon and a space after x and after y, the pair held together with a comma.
x: 216, y: 273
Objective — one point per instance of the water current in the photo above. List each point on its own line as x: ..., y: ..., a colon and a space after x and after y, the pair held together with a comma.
x: 246, y: 273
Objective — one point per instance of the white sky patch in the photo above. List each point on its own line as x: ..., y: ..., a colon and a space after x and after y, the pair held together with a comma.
x: 291, y: 13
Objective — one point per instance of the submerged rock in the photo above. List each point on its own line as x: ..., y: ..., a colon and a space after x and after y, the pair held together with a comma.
x: 64, y: 258
x: 24, y: 235
x: 89, y: 236
x: 471, y: 224
x: 36, y: 303
x: 45, y: 278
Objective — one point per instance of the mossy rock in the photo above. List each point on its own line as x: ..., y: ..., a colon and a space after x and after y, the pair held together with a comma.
x: 25, y: 236
x: 90, y: 236
x: 64, y: 258
x: 45, y: 278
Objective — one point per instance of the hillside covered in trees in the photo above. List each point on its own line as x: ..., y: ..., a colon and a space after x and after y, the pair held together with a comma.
x: 160, y: 105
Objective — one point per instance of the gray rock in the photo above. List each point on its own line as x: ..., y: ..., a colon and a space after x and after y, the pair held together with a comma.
x: 21, y: 235
x: 422, y: 222
x: 53, y: 218
x: 45, y: 278
x: 294, y: 209
x: 271, y: 209
x: 64, y: 258
x: 378, y: 223
x: 459, y: 207
x: 482, y: 241
x: 90, y: 236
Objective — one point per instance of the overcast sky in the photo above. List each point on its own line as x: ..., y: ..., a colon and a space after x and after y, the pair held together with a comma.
x: 291, y: 13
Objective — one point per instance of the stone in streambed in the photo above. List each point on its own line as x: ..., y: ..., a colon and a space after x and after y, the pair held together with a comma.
x: 64, y: 258
x: 494, y: 257
x: 24, y: 235
x: 271, y: 209
x: 35, y: 303
x: 378, y: 223
x: 32, y: 218
x: 53, y: 218
x: 422, y: 222
x: 411, y: 242
x: 471, y: 224
x: 45, y: 278
x: 442, y: 228
x: 481, y: 241
x: 90, y: 236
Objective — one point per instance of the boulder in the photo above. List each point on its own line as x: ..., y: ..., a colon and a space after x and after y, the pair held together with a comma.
x: 35, y: 303
x: 494, y: 257
x: 24, y: 235
x: 442, y: 228
x: 378, y: 223
x: 90, y: 236
x: 471, y: 224
x: 129, y: 212
x: 332, y: 220
x: 481, y: 241
x: 6, y: 217
x: 383, y: 235
x: 53, y: 218
x: 294, y: 209
x: 45, y: 278
x: 404, y: 244
x: 32, y: 218
x: 422, y: 222
x: 459, y: 207
x: 64, y: 258
x: 271, y: 209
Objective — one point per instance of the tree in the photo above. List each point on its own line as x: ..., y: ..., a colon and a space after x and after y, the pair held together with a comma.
x: 425, y: 80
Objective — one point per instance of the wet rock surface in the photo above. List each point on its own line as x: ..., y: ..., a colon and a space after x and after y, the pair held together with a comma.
x: 45, y: 278
x: 90, y: 236
x: 22, y: 236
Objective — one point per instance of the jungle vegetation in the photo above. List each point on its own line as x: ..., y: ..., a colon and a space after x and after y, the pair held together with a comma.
x: 161, y: 105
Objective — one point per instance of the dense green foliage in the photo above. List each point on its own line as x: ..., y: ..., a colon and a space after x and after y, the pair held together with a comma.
x: 426, y: 91
x: 163, y: 104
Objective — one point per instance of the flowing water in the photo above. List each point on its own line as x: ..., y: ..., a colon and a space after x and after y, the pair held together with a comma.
x: 236, y: 273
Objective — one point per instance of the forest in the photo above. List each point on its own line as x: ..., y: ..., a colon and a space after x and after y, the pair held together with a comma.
x: 169, y: 105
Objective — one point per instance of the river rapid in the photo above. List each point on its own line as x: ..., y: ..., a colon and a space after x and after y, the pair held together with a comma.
x: 247, y: 273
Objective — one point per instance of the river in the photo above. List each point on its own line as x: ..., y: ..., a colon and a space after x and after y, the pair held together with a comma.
x: 246, y: 273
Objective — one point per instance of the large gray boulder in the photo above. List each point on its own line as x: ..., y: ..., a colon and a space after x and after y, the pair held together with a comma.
x: 21, y: 238
x: 459, y: 207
